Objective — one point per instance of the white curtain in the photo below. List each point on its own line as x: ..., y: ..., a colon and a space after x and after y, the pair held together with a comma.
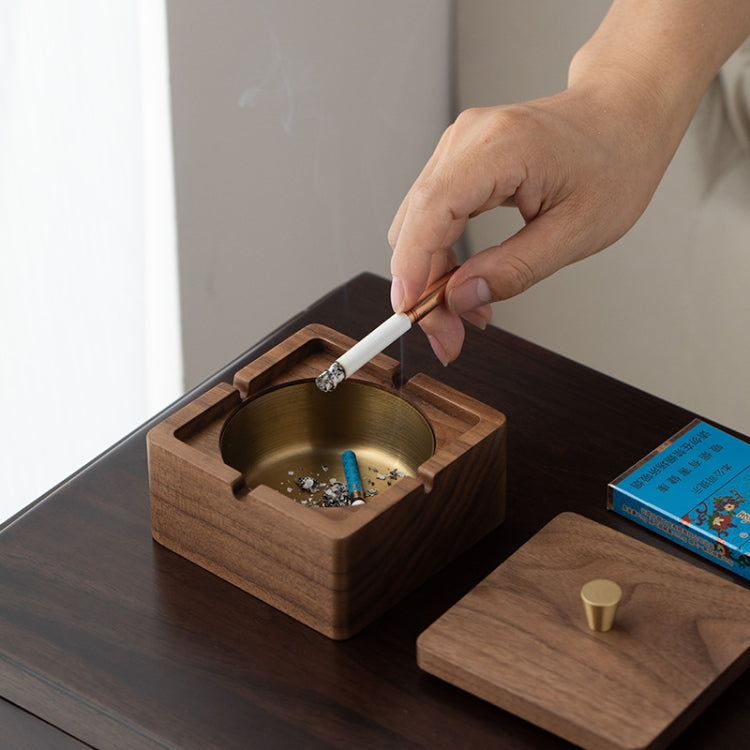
x: 89, y: 313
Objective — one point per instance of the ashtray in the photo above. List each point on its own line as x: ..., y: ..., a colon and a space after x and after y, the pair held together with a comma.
x: 241, y: 482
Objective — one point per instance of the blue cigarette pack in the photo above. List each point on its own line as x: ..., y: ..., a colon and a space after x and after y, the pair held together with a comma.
x: 695, y: 490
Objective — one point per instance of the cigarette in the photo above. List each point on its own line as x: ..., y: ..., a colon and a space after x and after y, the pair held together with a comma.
x: 384, y: 335
x: 353, y: 478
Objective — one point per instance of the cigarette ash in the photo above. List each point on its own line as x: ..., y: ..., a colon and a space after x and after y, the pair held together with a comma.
x: 333, y: 493
x: 328, y: 380
x: 389, y: 477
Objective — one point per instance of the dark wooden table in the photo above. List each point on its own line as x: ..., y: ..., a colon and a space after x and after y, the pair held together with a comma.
x: 110, y: 641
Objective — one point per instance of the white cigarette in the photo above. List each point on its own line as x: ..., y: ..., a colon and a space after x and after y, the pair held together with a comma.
x: 383, y: 336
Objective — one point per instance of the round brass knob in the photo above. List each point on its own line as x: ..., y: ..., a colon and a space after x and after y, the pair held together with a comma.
x: 600, y: 600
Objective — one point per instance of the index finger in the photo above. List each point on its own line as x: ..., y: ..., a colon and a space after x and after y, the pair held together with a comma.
x: 417, y: 262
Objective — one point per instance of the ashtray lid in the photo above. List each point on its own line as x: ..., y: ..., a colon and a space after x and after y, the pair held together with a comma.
x: 520, y: 638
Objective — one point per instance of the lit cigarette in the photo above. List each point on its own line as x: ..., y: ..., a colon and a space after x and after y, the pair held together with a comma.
x: 384, y: 335
x: 353, y: 478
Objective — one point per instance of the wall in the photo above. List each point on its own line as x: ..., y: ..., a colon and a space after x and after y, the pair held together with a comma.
x: 297, y: 129
x: 666, y: 308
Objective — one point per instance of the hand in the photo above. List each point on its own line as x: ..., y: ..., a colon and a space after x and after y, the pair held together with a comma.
x: 580, y: 166
x: 579, y: 178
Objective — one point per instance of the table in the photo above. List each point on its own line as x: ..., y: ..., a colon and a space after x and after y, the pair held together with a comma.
x: 108, y: 640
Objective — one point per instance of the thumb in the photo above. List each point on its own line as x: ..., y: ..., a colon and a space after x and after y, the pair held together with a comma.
x: 503, y: 271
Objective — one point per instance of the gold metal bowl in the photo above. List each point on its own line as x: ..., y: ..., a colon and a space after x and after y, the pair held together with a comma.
x: 295, y: 431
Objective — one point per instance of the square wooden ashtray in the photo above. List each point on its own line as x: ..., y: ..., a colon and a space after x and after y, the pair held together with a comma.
x: 226, y: 476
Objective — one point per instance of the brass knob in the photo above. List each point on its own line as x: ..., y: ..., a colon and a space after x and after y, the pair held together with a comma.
x: 600, y: 600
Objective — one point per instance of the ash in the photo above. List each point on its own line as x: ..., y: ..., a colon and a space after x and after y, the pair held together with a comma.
x: 328, y: 380
x: 333, y: 493
x: 308, y: 484
x: 390, y: 476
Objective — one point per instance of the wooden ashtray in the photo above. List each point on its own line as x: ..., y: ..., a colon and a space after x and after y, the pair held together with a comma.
x: 224, y: 471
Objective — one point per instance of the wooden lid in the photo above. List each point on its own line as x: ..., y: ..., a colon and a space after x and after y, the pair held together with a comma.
x: 521, y: 641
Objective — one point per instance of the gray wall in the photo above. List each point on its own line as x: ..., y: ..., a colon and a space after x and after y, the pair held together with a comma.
x: 298, y: 127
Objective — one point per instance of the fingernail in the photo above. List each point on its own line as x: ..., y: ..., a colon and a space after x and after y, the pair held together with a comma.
x: 397, y: 295
x: 440, y: 353
x: 476, y: 318
x: 469, y: 296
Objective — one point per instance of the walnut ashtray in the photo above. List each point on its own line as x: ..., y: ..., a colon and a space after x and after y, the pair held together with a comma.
x: 231, y: 476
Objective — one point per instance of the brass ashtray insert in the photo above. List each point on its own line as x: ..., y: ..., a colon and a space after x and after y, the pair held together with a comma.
x: 295, y: 431
x: 218, y: 467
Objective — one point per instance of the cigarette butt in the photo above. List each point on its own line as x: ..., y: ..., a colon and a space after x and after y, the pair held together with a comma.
x: 353, y: 478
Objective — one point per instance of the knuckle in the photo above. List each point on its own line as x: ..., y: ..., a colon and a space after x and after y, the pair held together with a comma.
x: 469, y: 117
x: 422, y: 195
x: 519, y: 275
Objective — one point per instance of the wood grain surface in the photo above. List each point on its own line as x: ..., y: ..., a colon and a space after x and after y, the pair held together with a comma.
x: 20, y: 730
x: 520, y: 638
x: 123, y: 644
x: 335, y: 569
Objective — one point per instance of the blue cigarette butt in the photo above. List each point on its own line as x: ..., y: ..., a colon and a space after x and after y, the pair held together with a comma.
x: 351, y: 474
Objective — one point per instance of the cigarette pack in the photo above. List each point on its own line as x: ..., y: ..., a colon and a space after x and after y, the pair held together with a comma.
x: 695, y: 490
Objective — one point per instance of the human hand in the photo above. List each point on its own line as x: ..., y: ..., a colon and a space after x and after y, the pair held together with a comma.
x: 580, y: 177
x: 580, y: 166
